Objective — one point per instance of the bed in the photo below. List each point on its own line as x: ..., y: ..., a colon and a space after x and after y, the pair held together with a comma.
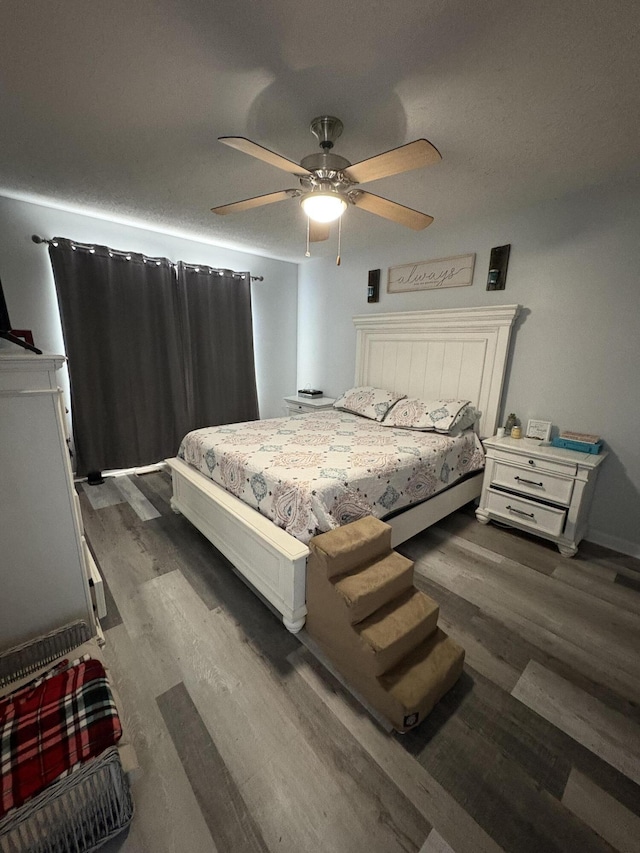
x: 458, y: 353
x: 310, y: 473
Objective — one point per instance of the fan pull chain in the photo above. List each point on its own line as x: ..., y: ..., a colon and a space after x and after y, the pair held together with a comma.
x: 339, y: 240
x: 307, y: 254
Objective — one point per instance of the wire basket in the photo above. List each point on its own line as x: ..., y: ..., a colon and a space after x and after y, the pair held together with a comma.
x: 79, y: 813
x: 83, y: 810
x: 22, y: 660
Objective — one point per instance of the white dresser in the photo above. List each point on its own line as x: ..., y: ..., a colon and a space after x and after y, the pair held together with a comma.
x: 45, y: 564
x: 296, y: 404
x: 543, y: 490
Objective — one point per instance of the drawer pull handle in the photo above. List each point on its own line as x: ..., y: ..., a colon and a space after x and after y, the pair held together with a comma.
x: 528, y: 482
x: 531, y: 462
x: 520, y: 512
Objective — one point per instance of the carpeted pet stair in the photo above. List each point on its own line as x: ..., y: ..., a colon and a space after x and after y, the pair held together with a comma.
x: 377, y: 629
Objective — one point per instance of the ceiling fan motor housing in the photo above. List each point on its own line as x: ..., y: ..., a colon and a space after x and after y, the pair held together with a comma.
x: 326, y: 172
x: 327, y: 169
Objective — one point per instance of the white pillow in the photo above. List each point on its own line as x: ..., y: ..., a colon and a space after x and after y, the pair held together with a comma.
x: 367, y: 401
x: 437, y: 415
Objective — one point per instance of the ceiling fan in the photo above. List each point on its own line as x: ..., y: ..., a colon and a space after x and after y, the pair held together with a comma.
x: 329, y: 183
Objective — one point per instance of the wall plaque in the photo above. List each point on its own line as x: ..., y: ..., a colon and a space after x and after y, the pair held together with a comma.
x: 432, y: 275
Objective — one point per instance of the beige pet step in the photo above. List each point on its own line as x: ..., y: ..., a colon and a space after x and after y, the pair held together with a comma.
x: 365, y: 590
x: 342, y: 550
x: 378, y: 631
x: 397, y: 628
x: 422, y: 678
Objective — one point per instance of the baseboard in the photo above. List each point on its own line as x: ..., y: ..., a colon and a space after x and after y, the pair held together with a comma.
x: 624, y: 546
x: 151, y: 469
x: 129, y: 472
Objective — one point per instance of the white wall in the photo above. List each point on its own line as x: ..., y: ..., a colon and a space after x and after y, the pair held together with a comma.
x: 575, y: 267
x: 29, y: 288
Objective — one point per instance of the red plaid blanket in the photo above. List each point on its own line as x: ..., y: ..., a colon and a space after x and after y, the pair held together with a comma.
x: 53, y: 724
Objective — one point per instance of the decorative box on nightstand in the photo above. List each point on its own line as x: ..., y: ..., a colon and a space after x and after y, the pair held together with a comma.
x: 543, y: 490
x: 297, y: 405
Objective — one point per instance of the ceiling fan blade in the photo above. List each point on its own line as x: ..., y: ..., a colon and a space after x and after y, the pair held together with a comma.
x: 392, y: 210
x: 318, y: 231
x: 413, y: 155
x: 256, y: 201
x: 255, y: 150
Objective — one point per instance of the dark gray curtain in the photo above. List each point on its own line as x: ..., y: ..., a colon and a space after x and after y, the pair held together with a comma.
x: 153, y: 351
x: 218, y: 337
x: 123, y: 342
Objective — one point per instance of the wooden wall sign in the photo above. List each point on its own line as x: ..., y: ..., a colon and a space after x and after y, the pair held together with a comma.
x: 432, y: 275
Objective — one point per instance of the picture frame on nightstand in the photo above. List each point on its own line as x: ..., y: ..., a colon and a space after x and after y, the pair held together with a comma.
x: 539, y: 430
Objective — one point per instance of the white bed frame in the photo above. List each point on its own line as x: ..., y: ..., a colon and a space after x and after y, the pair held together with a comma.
x: 455, y: 352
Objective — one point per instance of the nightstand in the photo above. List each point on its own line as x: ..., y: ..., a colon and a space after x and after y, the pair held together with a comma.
x: 543, y: 490
x: 296, y: 405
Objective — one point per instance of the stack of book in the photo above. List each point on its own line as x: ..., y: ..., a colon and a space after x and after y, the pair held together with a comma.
x: 582, y: 441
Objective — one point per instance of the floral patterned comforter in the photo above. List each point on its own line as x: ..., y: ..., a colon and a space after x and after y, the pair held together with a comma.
x: 313, y: 472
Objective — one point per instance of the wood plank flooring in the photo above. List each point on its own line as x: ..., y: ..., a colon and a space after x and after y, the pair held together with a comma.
x: 247, y: 743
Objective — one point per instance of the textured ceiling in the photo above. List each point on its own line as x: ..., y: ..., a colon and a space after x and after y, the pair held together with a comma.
x: 115, y: 107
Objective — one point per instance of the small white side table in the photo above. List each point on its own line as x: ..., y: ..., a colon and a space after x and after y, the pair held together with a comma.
x: 544, y: 490
x: 296, y: 405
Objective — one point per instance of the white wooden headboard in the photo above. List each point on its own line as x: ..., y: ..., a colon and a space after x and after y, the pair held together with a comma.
x: 454, y: 352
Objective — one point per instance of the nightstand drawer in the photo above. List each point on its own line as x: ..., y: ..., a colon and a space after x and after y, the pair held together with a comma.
x: 545, y: 520
x: 536, y: 464
x: 297, y: 405
x: 533, y: 482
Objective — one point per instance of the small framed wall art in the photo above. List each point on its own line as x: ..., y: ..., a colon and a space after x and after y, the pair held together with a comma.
x: 539, y: 430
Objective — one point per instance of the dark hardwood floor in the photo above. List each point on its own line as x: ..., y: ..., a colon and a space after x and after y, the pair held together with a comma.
x: 247, y: 743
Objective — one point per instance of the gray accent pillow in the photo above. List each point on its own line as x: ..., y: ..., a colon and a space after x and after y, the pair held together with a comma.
x: 426, y: 415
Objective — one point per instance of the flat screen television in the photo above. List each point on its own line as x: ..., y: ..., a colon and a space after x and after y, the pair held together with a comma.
x: 5, y: 326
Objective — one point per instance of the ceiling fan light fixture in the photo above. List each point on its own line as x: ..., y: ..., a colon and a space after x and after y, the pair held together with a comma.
x: 323, y: 206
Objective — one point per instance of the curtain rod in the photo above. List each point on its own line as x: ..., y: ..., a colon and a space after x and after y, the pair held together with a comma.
x: 37, y: 239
